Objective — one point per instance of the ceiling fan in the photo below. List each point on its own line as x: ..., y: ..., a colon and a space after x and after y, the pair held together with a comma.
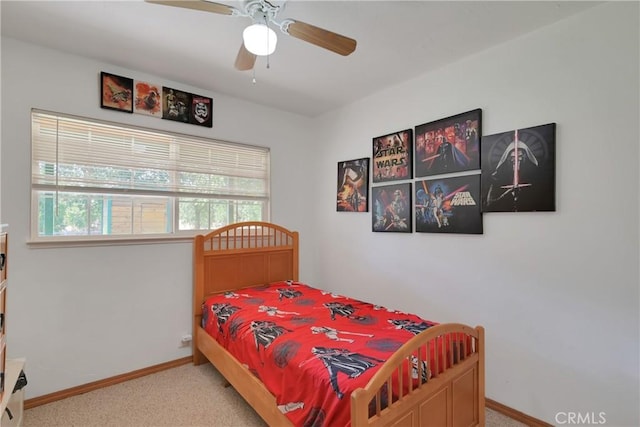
x: 264, y: 16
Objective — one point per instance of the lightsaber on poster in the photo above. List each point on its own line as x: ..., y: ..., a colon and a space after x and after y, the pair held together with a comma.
x: 516, y: 161
x: 438, y: 155
x: 426, y: 189
x: 397, y: 221
x: 431, y: 157
x: 454, y: 192
x: 394, y: 222
x: 516, y: 167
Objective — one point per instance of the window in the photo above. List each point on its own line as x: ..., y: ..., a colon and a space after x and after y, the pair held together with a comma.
x: 101, y: 180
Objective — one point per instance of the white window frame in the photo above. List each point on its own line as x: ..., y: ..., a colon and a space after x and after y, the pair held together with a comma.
x: 230, y: 160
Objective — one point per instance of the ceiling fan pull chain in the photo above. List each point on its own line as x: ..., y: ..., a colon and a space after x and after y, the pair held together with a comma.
x: 266, y: 21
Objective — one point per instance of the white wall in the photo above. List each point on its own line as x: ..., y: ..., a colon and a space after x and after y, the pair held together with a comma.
x: 83, y: 314
x: 557, y: 292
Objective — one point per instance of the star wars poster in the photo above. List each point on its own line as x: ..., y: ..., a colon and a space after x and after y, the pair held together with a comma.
x: 201, y: 111
x: 518, y: 170
x: 449, y: 205
x: 353, y: 186
x: 176, y: 105
x: 392, y: 156
x: 449, y: 145
x: 116, y: 92
x: 147, y: 99
x: 391, y: 206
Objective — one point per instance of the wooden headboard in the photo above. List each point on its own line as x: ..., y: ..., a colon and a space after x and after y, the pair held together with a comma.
x: 240, y: 255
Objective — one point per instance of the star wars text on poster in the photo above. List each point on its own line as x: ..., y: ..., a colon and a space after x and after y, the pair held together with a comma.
x: 389, y: 157
x: 463, y: 198
x: 392, y: 156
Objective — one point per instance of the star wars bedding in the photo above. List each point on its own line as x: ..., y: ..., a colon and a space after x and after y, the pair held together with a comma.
x: 310, y: 348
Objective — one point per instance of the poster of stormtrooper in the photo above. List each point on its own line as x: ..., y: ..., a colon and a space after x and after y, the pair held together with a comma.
x: 391, y: 206
x: 353, y: 186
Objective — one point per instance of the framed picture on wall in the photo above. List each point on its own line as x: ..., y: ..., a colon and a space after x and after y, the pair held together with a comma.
x: 201, y: 111
x: 391, y: 208
x: 116, y: 92
x: 392, y: 156
x: 449, y: 145
x: 449, y: 205
x: 518, y: 170
x: 176, y: 105
x: 353, y: 186
x: 147, y: 99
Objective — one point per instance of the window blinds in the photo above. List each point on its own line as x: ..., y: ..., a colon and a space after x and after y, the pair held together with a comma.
x: 78, y: 154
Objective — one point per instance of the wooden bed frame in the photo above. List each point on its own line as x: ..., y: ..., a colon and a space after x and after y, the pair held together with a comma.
x: 256, y: 253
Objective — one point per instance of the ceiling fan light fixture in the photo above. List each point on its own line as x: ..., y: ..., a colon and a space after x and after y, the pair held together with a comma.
x: 260, y: 39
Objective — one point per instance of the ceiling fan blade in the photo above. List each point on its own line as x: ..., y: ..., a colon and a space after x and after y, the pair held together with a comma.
x: 245, y: 59
x: 323, y: 38
x: 206, y: 6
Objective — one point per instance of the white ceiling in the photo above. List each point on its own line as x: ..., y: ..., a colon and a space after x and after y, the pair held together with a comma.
x: 397, y: 40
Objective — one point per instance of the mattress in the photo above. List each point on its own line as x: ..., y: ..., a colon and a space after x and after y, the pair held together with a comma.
x: 309, y: 347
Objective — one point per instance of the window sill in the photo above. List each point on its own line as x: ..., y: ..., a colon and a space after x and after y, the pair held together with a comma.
x: 57, y: 242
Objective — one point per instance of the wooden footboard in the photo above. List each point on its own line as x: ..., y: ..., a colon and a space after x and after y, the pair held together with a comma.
x: 453, y: 395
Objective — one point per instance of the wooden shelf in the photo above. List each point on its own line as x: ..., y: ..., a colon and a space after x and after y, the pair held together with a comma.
x: 12, y: 372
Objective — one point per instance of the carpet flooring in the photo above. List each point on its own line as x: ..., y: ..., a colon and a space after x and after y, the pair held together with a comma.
x: 177, y: 397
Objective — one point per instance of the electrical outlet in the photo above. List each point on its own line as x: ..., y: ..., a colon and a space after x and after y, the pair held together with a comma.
x: 186, y: 340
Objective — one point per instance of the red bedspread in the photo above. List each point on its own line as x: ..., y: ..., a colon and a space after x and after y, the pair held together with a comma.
x: 310, y: 348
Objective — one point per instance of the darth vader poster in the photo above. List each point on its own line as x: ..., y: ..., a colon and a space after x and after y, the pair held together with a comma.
x: 448, y: 145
